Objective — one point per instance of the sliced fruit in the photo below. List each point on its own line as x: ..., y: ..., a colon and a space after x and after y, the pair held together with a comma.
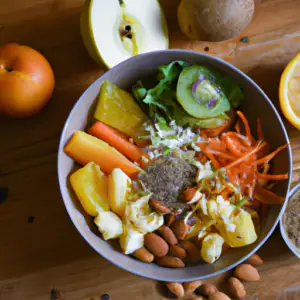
x: 118, y: 187
x: 118, y: 109
x: 199, y: 95
x: 289, y: 92
x: 212, y: 247
x: 109, y: 224
x: 84, y: 148
x: 114, y: 31
x: 90, y: 186
x: 131, y: 240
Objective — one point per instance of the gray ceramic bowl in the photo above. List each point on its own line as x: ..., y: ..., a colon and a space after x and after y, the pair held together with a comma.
x: 255, y: 105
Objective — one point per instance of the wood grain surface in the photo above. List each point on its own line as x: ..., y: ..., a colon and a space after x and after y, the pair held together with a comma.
x: 42, y: 256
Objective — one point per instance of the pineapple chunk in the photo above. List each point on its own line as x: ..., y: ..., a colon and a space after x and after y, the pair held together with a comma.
x: 109, y: 224
x: 118, y: 187
x: 244, y: 233
x: 90, y: 186
x: 211, y: 247
x: 131, y: 240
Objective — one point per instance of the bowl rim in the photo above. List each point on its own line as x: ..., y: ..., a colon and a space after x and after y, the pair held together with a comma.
x: 256, y: 86
x: 284, y: 235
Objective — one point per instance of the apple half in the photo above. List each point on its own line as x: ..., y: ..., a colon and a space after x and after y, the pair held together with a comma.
x: 115, y: 30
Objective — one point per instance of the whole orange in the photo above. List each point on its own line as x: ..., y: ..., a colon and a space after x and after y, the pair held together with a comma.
x: 26, y: 81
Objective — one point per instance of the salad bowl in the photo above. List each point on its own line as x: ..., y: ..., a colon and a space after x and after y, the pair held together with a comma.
x: 255, y: 105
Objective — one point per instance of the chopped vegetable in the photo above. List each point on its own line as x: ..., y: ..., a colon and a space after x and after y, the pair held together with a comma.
x: 265, y: 196
x: 84, y: 148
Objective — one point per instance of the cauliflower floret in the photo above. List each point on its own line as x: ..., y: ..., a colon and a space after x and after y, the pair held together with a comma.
x: 212, y: 247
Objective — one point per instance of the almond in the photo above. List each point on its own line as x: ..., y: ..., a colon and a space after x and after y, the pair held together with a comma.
x: 194, y: 297
x: 207, y: 289
x: 180, y: 229
x: 176, y: 288
x: 236, y: 288
x: 255, y: 260
x: 168, y: 235
x: 192, y: 250
x: 144, y: 255
x: 218, y: 296
x: 171, y: 262
x: 159, y: 207
x: 246, y: 272
x: 177, y: 251
x: 156, y: 244
x: 190, y: 287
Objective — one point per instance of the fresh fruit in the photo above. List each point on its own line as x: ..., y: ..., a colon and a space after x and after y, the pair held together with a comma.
x: 156, y: 244
x: 199, y: 95
x: 109, y: 224
x: 255, y: 260
x: 90, y: 186
x: 289, y: 92
x: 178, y: 251
x: 118, y: 109
x: 84, y: 148
x: 140, y: 215
x: 211, y: 247
x: 218, y: 296
x: 144, y: 255
x: 180, y: 229
x: 131, y: 240
x: 190, y: 287
x: 118, y: 187
x: 214, y: 20
x: 236, y: 288
x: 207, y: 289
x: 246, y: 272
x: 114, y: 31
x: 170, y: 262
x: 26, y: 81
x: 176, y: 288
x: 168, y: 235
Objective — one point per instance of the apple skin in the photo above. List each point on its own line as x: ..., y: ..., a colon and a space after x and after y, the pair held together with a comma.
x: 26, y: 81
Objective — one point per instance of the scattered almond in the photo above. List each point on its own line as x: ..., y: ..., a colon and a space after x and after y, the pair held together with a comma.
x: 255, y: 260
x: 156, y: 244
x: 171, y: 262
x: 194, y: 297
x: 236, y: 288
x: 180, y: 229
x: 207, y: 289
x: 177, y: 251
x: 246, y: 272
x: 168, y: 235
x: 189, y: 287
x: 192, y: 250
x: 159, y: 207
x: 176, y: 288
x: 218, y: 296
x: 144, y: 255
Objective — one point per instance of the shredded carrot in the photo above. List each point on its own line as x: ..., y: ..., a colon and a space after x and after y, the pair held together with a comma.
x: 244, y: 140
x: 233, y: 146
x: 201, y: 157
x: 267, y: 158
x: 265, y: 196
x: 260, y: 133
x: 272, y: 177
x: 221, y: 154
x: 213, y: 160
x: 246, y: 125
x: 237, y: 127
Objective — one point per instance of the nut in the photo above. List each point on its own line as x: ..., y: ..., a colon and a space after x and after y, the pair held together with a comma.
x: 218, y: 296
x: 171, y: 262
x: 168, y: 235
x: 180, y: 229
x: 207, y: 289
x: 156, y: 244
x: 177, y: 251
x: 192, y: 250
x: 236, y: 288
x: 255, y: 260
x: 190, y: 287
x: 159, y: 207
x: 194, y: 297
x: 246, y: 272
x: 144, y: 255
x: 176, y: 288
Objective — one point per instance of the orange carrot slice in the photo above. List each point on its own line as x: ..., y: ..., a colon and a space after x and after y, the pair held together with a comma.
x: 272, y: 176
x: 266, y: 196
x: 246, y: 125
x: 267, y: 158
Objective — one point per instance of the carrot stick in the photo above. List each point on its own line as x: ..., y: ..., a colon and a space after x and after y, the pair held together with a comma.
x: 213, y: 160
x: 272, y: 177
x: 260, y: 133
x: 237, y: 127
x: 221, y: 154
x: 116, y: 140
x: 246, y: 125
x: 266, y: 196
x: 233, y: 146
x: 267, y: 158
x: 243, y: 158
x: 244, y: 140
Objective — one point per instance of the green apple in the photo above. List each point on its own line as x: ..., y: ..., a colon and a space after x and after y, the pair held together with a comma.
x: 116, y: 30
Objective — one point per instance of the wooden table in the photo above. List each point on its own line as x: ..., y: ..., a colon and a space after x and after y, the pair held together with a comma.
x: 40, y: 249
